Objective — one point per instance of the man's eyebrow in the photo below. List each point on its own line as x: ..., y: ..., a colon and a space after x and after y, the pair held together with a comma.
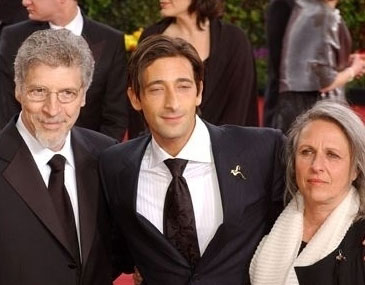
x: 183, y: 79
x: 154, y: 82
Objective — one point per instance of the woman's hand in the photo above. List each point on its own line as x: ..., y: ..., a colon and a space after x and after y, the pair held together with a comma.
x: 356, y: 69
x: 357, y: 61
x: 137, y: 278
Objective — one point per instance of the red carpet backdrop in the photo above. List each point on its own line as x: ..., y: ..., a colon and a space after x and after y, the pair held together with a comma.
x: 124, y: 279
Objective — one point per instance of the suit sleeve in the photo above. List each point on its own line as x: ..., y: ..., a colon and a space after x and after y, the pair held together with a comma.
x: 229, y: 93
x: 8, y: 104
x: 278, y: 181
x: 114, y: 106
x: 121, y: 258
x: 240, y: 75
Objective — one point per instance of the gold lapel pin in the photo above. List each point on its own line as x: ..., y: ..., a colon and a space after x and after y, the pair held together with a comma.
x: 340, y: 256
x: 238, y: 172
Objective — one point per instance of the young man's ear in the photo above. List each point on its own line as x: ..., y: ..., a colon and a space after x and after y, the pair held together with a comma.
x: 136, y: 104
x: 200, y: 94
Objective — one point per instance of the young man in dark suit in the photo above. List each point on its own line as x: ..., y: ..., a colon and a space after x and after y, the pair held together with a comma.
x: 204, y: 227
x: 53, y: 220
x: 106, y: 110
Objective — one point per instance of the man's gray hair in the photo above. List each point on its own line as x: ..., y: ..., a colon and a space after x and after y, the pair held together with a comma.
x: 353, y: 128
x: 54, y: 48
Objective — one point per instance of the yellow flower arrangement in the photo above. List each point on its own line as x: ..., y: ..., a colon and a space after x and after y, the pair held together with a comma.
x: 131, y: 40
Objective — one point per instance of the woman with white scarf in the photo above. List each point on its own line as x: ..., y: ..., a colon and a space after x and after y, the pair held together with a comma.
x: 318, y: 237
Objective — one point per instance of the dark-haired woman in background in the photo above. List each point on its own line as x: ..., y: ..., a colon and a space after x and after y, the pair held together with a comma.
x: 229, y: 94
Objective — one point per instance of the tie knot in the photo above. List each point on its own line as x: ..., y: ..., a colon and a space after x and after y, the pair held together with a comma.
x: 57, y: 162
x: 176, y: 166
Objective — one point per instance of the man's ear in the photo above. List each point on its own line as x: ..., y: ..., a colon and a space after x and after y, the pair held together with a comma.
x: 136, y: 103
x: 83, y: 99
x: 199, y: 95
x: 18, y: 95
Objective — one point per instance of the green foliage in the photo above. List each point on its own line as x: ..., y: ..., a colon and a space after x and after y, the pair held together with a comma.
x: 261, y: 70
x: 248, y: 14
x: 353, y: 12
x: 360, y: 82
x: 125, y: 15
x: 130, y: 15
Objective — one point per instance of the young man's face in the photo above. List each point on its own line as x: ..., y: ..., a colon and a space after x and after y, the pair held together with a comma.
x: 168, y: 99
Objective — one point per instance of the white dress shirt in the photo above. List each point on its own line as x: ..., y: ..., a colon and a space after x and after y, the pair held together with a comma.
x: 41, y: 157
x: 200, y: 174
x: 75, y: 26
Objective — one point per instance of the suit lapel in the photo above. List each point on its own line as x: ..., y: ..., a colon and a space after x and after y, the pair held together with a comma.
x: 226, y: 161
x: 165, y: 245
x: 23, y: 175
x: 231, y: 187
x: 96, y: 45
x: 134, y: 165
x: 87, y: 180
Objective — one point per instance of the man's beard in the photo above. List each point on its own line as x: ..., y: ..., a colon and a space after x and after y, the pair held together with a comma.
x: 54, y: 143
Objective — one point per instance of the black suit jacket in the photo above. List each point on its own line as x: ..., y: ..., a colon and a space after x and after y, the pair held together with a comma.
x: 11, y: 12
x: 106, y: 102
x: 330, y: 270
x: 33, y: 249
x: 249, y: 207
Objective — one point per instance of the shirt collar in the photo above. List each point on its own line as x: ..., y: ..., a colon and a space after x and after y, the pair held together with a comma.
x: 198, y: 148
x: 75, y: 26
x: 40, y: 154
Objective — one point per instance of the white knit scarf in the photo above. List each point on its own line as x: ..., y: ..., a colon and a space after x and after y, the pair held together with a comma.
x: 277, y: 254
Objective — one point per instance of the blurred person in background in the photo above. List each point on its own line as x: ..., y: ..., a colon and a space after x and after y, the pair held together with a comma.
x: 315, y: 61
x: 277, y: 17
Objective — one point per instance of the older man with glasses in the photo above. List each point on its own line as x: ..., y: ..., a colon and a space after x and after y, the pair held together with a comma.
x: 53, y: 222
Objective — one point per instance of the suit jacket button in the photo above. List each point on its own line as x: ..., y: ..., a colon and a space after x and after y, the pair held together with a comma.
x: 72, y: 266
x: 195, y: 277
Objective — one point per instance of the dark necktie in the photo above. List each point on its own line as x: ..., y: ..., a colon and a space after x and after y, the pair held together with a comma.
x: 179, y: 220
x: 62, y: 203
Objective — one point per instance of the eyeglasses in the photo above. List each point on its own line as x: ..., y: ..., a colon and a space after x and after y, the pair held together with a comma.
x: 40, y: 94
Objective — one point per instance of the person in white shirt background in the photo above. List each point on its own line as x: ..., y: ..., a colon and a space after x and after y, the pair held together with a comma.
x: 106, y: 110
